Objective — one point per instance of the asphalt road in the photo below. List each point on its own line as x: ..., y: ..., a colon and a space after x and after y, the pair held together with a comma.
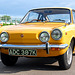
x: 36, y: 66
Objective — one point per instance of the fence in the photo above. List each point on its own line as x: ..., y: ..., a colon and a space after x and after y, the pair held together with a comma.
x: 11, y: 21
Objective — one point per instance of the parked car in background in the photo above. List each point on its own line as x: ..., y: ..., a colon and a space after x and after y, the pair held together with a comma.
x: 43, y: 32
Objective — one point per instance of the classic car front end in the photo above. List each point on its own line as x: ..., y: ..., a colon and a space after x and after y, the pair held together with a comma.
x: 45, y: 32
x: 38, y: 39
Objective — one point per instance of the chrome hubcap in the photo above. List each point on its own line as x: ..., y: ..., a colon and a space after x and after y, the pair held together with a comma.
x: 69, y: 55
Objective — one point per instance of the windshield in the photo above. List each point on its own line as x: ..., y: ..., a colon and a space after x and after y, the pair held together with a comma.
x: 50, y: 15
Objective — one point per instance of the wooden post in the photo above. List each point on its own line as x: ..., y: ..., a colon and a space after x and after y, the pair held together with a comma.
x: 15, y: 21
x: 6, y: 20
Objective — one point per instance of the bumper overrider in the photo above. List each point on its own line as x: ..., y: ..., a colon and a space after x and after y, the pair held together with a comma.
x: 46, y: 46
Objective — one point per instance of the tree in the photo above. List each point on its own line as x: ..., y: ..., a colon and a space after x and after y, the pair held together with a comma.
x: 5, y: 17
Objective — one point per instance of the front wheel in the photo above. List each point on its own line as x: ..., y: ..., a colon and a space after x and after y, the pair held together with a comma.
x: 8, y: 60
x: 65, y: 60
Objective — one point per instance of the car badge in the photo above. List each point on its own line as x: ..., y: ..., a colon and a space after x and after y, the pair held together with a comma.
x: 22, y: 35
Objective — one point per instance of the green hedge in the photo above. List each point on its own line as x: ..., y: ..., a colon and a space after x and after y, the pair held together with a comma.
x: 7, y: 24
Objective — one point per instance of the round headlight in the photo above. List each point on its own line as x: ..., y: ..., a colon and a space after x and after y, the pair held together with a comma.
x: 56, y: 34
x: 44, y: 36
x: 4, y: 36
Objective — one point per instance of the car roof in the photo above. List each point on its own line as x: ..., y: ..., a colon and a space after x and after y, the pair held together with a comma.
x: 51, y: 7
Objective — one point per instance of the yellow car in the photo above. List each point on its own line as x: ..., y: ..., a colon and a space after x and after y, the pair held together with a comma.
x: 43, y: 32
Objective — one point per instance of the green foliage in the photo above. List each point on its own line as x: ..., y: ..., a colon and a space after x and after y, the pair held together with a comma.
x: 5, y: 17
x: 11, y: 23
x: 7, y: 24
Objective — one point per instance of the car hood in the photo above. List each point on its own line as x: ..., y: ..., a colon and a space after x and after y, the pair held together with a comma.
x: 31, y: 26
x: 27, y: 33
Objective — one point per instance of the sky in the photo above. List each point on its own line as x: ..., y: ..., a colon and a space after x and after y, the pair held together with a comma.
x: 18, y: 8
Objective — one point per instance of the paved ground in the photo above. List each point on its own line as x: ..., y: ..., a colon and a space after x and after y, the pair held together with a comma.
x: 36, y: 66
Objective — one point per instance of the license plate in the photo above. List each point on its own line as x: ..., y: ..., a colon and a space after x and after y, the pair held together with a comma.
x: 22, y: 52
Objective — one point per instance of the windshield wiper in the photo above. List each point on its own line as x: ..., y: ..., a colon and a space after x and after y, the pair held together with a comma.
x: 59, y: 20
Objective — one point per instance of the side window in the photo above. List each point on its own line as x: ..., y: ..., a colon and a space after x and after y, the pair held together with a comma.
x: 73, y: 17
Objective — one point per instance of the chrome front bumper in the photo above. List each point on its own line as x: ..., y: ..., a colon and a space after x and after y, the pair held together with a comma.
x: 46, y: 46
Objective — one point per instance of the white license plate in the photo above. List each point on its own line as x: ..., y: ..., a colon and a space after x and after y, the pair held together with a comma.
x: 22, y: 52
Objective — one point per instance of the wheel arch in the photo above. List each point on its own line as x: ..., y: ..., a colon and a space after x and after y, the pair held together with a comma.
x: 73, y: 40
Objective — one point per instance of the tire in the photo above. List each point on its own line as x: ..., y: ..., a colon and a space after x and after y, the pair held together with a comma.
x: 65, y: 60
x: 8, y: 60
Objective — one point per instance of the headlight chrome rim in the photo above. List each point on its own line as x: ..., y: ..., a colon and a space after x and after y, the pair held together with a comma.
x: 60, y: 34
x: 7, y: 36
x: 48, y: 36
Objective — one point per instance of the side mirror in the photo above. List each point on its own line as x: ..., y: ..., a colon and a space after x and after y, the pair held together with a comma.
x: 67, y: 22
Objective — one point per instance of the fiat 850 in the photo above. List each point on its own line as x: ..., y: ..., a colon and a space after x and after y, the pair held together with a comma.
x: 43, y: 32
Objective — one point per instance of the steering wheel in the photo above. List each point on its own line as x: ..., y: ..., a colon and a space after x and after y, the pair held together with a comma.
x: 35, y: 20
